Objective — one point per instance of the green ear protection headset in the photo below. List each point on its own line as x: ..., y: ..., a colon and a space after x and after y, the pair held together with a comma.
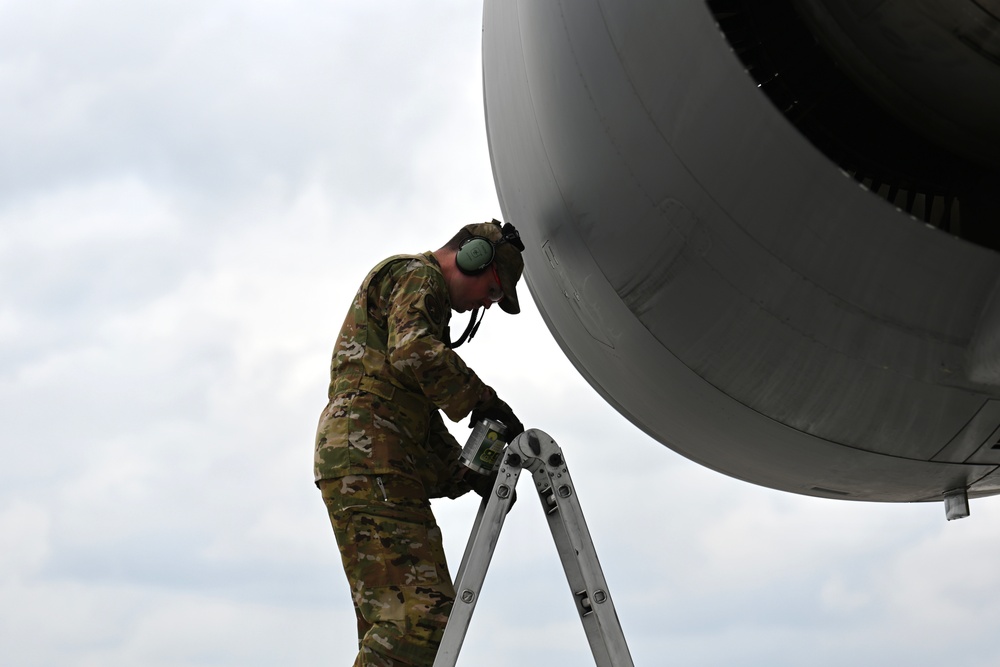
x: 475, y: 255
x: 477, y: 252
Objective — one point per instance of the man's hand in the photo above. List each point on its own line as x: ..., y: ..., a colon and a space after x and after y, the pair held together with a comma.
x: 493, y: 408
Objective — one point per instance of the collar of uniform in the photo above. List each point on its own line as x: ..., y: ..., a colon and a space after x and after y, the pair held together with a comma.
x: 432, y: 260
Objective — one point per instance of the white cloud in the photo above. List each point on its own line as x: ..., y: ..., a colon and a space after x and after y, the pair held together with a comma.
x: 24, y: 539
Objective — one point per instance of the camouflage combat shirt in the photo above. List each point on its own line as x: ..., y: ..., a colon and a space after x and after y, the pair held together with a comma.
x: 391, y: 372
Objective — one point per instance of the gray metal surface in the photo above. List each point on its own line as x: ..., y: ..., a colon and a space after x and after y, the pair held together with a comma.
x: 584, y: 575
x: 738, y: 293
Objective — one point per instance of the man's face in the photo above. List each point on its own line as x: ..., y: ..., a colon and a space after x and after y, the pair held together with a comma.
x: 470, y: 292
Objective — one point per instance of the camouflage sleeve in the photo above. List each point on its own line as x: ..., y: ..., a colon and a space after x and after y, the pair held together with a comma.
x: 449, y: 473
x: 416, y: 322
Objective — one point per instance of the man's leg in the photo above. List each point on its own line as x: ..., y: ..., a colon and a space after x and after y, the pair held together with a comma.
x: 394, y: 559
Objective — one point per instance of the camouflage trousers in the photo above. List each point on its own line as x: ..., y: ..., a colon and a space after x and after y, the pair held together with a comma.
x: 395, y: 564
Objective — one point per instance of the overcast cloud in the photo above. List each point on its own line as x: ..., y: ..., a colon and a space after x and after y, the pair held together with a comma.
x: 190, y: 193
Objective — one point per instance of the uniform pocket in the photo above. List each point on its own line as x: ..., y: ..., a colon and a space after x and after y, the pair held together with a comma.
x: 395, y: 552
x: 380, y: 434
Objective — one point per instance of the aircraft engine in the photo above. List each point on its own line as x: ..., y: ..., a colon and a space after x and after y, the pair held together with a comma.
x: 766, y: 231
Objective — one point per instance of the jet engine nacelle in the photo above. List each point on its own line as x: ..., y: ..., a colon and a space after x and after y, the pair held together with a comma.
x: 752, y: 249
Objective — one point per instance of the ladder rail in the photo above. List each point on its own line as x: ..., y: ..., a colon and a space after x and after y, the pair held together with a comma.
x: 478, y: 554
x: 584, y: 575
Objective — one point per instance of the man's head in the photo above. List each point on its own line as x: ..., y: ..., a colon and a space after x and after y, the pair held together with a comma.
x: 488, y: 258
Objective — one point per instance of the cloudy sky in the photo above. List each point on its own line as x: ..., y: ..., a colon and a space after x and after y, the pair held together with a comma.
x: 190, y: 193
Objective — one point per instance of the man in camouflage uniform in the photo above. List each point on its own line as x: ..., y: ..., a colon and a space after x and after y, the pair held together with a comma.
x: 382, y: 449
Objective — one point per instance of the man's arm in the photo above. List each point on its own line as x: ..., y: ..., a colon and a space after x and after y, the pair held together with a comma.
x: 416, y: 348
x: 452, y: 479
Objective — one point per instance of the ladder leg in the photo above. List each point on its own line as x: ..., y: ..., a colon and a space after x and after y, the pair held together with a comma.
x: 577, y: 553
x: 475, y: 562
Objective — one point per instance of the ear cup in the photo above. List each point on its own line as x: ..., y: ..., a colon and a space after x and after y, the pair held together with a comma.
x: 475, y: 255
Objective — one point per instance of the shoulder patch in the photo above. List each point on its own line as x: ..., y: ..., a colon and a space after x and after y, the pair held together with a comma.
x: 433, y: 308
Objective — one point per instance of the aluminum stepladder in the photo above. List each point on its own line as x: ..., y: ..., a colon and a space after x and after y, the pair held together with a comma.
x: 540, y: 454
